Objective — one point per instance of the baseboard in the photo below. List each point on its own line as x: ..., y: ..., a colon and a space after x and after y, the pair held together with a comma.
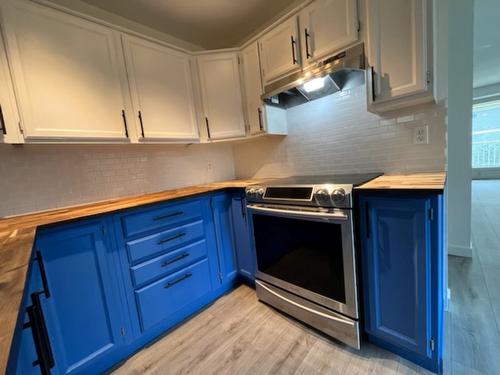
x: 460, y: 251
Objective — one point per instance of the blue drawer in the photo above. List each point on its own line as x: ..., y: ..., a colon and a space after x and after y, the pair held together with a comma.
x: 159, y: 300
x: 164, y: 241
x: 168, y: 263
x: 155, y: 218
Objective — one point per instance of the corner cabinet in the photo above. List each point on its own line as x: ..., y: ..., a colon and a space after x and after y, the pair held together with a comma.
x: 75, y: 86
x: 243, y: 238
x: 162, y: 90
x: 401, y: 238
x: 399, y: 51
x: 221, y: 95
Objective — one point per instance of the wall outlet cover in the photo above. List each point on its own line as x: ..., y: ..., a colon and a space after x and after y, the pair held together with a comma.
x: 421, y: 135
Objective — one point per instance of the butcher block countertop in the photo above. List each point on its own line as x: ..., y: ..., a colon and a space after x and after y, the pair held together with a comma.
x: 17, y: 234
x: 415, y: 181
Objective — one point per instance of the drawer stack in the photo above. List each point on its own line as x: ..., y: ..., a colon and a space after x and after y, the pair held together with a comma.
x: 167, y: 253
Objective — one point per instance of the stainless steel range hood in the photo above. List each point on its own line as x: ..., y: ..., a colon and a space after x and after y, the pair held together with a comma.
x: 342, y: 71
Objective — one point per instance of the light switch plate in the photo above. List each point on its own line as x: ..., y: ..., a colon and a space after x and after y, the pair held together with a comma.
x: 421, y: 135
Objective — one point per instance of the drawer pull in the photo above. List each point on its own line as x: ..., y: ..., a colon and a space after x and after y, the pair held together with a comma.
x: 176, y: 259
x: 172, y: 283
x: 160, y: 242
x: 161, y: 217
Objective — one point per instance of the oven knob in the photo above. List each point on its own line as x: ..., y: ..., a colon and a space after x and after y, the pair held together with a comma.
x: 338, y: 195
x: 251, y: 192
x: 260, y: 192
x: 322, y: 196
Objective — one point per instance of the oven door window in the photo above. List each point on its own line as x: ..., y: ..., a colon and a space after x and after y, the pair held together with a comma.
x: 304, y: 253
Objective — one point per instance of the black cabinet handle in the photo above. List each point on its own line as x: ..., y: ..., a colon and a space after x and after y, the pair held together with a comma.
x: 161, y: 217
x: 2, y: 121
x: 125, y: 122
x: 43, y: 275
x: 372, y: 72
x: 161, y: 242
x: 208, y: 128
x: 259, y: 113
x: 142, y: 125
x: 176, y: 259
x: 172, y: 283
x: 45, y: 357
x: 307, y: 36
x: 295, y: 61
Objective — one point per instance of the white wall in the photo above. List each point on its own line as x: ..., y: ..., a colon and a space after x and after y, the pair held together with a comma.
x: 336, y: 134
x: 39, y: 177
x: 460, y: 68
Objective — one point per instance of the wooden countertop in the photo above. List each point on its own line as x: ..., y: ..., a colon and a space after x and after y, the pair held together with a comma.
x: 17, y: 235
x: 413, y: 181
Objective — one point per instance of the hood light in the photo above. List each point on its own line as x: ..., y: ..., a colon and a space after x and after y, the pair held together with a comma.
x: 314, y: 84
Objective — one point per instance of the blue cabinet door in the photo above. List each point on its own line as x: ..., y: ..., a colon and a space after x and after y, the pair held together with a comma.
x: 400, y: 282
x: 243, y: 238
x: 221, y: 210
x: 83, y: 313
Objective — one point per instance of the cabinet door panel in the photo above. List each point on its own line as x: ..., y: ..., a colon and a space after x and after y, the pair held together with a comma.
x: 161, y: 85
x: 330, y: 25
x: 242, y: 239
x: 83, y: 310
x: 396, y: 271
x: 221, y: 94
x: 253, y: 88
x: 397, y: 38
x: 279, y: 55
x: 68, y: 73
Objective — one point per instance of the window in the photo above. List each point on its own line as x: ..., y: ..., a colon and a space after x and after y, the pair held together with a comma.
x: 486, y: 135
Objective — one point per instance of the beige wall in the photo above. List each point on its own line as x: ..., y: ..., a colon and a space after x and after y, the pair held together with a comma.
x: 336, y: 134
x: 39, y: 177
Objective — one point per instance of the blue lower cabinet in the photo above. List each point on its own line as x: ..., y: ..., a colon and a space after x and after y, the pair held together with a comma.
x: 243, y: 238
x: 78, y: 301
x: 161, y: 299
x: 401, y: 240
x: 223, y: 224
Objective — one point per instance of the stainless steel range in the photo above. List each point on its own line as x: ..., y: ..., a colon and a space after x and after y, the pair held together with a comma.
x: 303, y: 237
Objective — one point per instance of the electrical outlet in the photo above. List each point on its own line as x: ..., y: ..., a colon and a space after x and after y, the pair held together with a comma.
x: 421, y: 135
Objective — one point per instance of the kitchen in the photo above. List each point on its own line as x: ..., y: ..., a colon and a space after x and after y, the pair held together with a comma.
x: 166, y: 174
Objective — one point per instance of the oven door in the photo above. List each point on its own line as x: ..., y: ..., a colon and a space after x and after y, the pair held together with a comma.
x: 308, y: 252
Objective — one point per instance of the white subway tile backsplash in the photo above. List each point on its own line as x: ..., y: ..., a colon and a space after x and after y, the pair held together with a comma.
x: 40, y: 177
x: 338, y: 135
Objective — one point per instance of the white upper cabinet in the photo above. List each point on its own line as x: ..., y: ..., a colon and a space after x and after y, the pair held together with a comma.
x: 326, y: 27
x: 398, y: 53
x: 9, y: 119
x: 221, y: 95
x: 68, y: 74
x: 280, y: 51
x: 162, y: 92
x: 252, y: 82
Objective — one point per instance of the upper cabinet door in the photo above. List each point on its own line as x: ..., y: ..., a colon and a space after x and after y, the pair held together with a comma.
x: 327, y: 26
x: 280, y: 53
x: 221, y: 95
x: 68, y: 73
x: 253, y: 87
x: 162, y: 92
x: 397, y: 48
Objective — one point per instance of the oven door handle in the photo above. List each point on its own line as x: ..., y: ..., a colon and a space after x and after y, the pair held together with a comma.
x: 296, y: 304
x: 297, y: 213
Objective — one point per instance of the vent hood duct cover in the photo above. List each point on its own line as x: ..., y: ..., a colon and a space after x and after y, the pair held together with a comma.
x: 342, y: 71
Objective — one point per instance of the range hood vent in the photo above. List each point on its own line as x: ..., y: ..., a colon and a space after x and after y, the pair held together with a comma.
x: 342, y: 71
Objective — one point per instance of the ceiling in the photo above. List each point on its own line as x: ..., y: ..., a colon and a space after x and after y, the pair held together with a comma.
x: 207, y: 23
x: 486, y: 42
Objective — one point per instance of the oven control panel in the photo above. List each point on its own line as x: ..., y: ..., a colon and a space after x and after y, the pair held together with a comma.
x: 320, y: 195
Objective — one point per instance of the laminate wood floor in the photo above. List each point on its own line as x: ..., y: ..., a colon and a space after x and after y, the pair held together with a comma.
x: 240, y: 335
